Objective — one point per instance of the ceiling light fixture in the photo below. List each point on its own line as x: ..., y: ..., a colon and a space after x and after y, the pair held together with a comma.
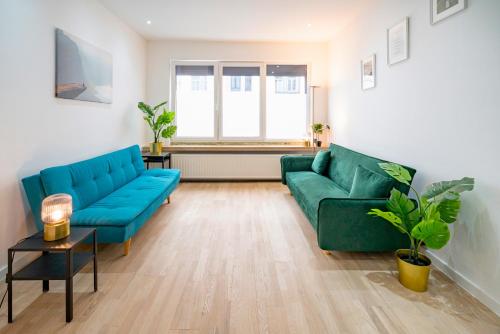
x: 148, y: 21
x: 309, y: 25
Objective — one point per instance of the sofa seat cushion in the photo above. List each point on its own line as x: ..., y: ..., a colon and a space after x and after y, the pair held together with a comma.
x: 122, y: 206
x: 309, y: 189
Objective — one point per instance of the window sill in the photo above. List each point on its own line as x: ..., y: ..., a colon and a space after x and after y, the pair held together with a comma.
x: 237, y: 149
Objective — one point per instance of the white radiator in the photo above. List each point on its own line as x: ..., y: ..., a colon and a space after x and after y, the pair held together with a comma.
x: 228, y: 166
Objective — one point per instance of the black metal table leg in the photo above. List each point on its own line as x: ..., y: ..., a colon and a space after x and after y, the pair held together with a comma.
x: 9, y: 285
x: 95, y: 261
x: 170, y: 162
x: 162, y: 164
x: 69, y: 285
x: 45, y: 284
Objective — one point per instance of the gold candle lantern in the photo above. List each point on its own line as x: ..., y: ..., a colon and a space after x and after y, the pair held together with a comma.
x: 56, y: 211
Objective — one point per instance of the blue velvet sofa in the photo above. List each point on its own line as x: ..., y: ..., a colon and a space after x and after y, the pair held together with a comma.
x: 113, y: 193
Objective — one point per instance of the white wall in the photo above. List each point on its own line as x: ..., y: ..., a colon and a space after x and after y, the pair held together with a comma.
x: 162, y: 52
x: 36, y: 129
x: 439, y: 112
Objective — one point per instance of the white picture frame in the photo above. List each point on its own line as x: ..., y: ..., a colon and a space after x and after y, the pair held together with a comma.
x: 398, y: 42
x: 368, y: 72
x: 441, y: 9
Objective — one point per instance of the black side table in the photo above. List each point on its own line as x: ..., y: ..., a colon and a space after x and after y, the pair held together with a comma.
x: 162, y: 157
x: 58, y: 261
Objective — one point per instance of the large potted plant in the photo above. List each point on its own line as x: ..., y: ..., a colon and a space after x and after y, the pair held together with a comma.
x: 425, y: 221
x: 159, y: 122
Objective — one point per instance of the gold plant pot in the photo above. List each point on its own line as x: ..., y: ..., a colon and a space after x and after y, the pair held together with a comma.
x: 412, y: 276
x: 156, y: 148
x: 56, y: 231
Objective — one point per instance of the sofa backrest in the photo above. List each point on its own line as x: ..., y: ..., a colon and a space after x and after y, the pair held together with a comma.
x: 343, y: 164
x: 86, y: 181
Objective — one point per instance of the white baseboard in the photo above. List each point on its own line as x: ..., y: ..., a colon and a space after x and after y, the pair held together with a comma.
x: 465, y: 283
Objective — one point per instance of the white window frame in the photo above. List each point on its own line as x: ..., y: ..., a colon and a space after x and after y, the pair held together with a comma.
x: 218, y: 112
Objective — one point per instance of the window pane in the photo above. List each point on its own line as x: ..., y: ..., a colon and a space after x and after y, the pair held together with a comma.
x: 195, y: 101
x: 241, y: 107
x: 286, y: 105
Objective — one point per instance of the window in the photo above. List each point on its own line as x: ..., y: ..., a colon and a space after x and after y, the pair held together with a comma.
x: 194, y: 96
x: 247, y: 101
x: 198, y: 83
x: 286, y: 85
x: 235, y: 83
x: 240, y: 109
x: 248, y: 84
x: 286, y: 101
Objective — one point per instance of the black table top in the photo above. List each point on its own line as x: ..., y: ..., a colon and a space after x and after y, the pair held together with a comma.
x: 36, y: 242
x: 150, y: 155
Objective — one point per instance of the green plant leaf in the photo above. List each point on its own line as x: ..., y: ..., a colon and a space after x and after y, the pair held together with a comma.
x: 448, y: 210
x: 397, y: 172
x: 317, y: 128
x: 434, y: 233
x: 404, y: 208
x: 169, y: 131
x: 145, y: 108
x: 391, y: 218
x: 166, y: 117
x: 148, y: 120
x: 448, y: 190
x: 158, y: 106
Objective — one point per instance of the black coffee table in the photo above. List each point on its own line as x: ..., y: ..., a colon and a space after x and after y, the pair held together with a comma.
x: 58, y: 261
x: 162, y: 157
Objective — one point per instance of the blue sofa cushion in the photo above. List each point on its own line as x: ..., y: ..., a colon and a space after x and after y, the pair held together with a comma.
x: 309, y: 189
x: 128, y: 202
x: 90, y: 180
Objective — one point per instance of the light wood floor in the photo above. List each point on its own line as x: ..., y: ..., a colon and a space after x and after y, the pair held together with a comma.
x: 242, y: 258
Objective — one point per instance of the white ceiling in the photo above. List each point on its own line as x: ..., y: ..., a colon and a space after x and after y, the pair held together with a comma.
x: 236, y: 20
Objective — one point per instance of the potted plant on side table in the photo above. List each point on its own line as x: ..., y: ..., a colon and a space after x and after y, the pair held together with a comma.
x: 160, y: 124
x: 424, y: 220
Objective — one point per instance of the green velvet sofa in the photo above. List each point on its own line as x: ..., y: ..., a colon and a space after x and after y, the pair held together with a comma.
x: 341, y: 222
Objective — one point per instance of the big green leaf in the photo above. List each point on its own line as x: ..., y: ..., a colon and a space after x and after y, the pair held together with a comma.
x: 391, y: 218
x: 448, y: 210
x: 169, y: 131
x: 434, y: 233
x: 158, y: 106
x: 448, y: 190
x: 145, y: 108
x: 166, y: 117
x: 148, y: 120
x: 404, y: 208
x: 396, y: 171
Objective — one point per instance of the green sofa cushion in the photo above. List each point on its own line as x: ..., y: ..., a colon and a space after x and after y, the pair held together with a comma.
x: 368, y: 184
x: 309, y: 189
x: 320, y: 162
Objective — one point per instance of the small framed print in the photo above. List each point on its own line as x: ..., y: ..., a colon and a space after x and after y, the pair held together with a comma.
x: 398, y: 42
x: 441, y: 9
x: 368, y: 72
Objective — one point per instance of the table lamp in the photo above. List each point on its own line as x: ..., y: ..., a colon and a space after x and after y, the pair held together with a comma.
x: 56, y: 211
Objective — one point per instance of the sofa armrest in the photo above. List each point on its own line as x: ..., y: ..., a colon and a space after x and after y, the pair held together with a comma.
x: 344, y: 224
x: 295, y: 163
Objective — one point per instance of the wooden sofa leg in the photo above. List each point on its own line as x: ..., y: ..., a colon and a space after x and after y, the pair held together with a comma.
x: 168, y: 200
x: 326, y: 252
x: 126, y: 246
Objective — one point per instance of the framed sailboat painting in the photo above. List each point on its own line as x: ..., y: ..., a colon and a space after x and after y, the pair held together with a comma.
x: 83, y: 71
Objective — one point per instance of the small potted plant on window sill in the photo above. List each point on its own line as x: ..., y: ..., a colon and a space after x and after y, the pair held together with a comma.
x: 317, y: 129
x: 425, y: 221
x: 159, y: 122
